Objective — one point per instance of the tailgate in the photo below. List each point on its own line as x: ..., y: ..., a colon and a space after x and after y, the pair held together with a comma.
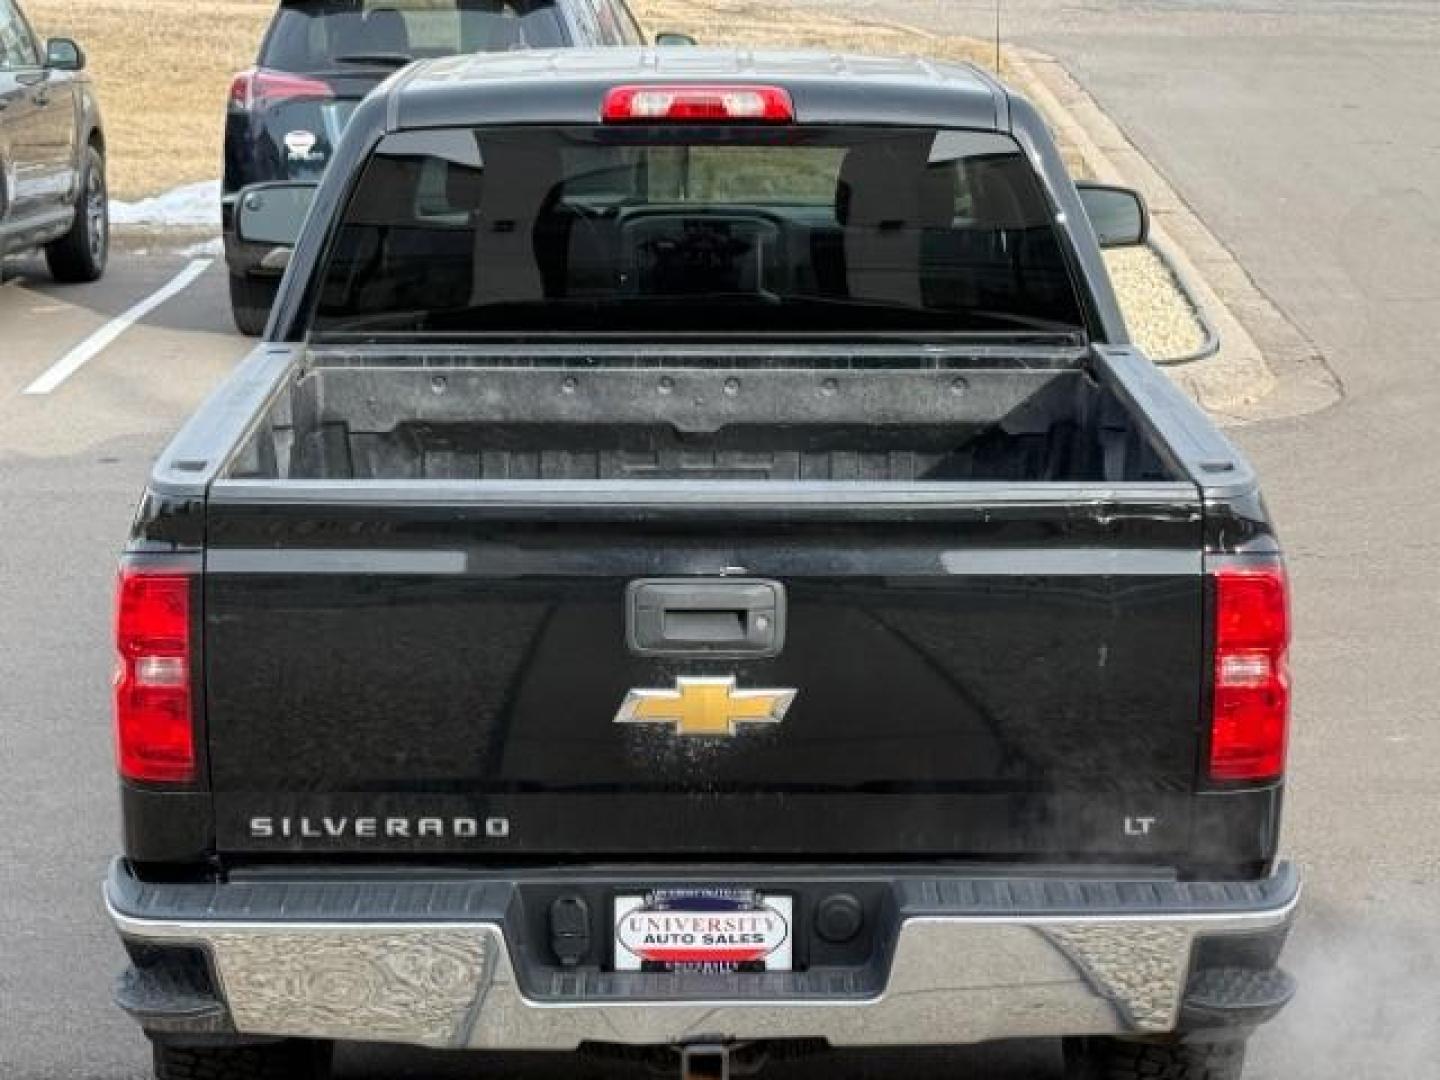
x: 1019, y: 678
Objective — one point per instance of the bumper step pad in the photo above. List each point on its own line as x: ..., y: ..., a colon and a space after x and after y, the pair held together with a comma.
x: 1234, y: 997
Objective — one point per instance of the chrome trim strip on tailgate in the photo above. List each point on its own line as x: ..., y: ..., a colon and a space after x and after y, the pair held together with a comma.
x: 998, y: 562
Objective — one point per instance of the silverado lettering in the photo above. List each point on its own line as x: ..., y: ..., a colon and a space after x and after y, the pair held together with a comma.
x: 463, y: 828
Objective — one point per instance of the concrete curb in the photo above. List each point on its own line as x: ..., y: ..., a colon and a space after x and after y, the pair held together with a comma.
x: 1241, y: 382
x: 1211, y: 345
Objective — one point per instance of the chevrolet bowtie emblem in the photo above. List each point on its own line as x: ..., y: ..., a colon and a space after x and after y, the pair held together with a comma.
x: 712, y: 708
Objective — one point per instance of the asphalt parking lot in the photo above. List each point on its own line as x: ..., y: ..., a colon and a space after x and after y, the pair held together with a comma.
x: 71, y: 464
x: 1308, y: 143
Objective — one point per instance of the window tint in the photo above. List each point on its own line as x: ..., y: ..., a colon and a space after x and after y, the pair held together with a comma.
x: 17, y: 46
x: 681, y: 230
x: 319, y: 35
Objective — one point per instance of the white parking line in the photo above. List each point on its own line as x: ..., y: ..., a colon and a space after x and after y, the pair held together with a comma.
x: 99, y: 341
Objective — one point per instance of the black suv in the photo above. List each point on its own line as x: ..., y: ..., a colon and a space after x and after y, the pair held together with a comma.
x: 52, y: 153
x: 321, y: 57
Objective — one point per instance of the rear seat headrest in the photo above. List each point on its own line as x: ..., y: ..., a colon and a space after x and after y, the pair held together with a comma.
x: 385, y: 31
x: 464, y: 187
x: 890, y: 184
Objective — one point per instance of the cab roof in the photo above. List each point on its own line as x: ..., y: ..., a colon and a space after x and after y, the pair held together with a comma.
x: 567, y: 86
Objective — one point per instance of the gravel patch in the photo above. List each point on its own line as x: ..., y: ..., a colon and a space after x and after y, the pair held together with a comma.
x: 1161, y: 318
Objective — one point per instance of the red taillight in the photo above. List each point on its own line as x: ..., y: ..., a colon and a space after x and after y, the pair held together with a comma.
x: 257, y: 88
x: 155, y: 734
x: 1251, y: 720
x: 698, y: 104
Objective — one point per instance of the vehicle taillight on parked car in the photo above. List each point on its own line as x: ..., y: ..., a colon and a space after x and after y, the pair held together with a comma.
x: 155, y: 733
x: 1251, y: 718
x: 259, y: 87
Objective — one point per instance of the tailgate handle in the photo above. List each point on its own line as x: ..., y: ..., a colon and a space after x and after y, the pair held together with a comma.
x: 684, y: 617
x: 706, y: 626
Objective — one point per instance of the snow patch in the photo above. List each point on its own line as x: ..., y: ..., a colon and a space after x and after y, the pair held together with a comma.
x: 187, y: 205
x: 212, y: 247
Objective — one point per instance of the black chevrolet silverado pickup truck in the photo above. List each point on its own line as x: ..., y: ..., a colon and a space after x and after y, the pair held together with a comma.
x: 697, y: 565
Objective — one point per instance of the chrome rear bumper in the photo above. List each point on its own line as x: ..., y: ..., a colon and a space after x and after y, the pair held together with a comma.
x: 965, y: 975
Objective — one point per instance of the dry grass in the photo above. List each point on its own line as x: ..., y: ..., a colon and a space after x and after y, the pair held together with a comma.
x: 163, y: 66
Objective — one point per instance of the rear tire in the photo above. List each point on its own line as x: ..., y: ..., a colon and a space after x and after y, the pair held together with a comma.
x: 250, y: 301
x: 1116, y: 1059
x: 294, y: 1059
x: 80, y: 255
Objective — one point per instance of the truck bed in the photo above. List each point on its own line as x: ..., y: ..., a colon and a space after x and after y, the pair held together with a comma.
x: 705, y: 417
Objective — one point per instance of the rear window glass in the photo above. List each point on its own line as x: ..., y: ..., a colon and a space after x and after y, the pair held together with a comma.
x: 696, y: 230
x: 328, y: 35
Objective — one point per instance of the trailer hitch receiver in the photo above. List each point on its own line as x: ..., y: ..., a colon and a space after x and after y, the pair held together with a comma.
x: 705, y: 1061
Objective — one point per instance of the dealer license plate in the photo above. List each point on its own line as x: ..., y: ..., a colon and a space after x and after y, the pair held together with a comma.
x: 705, y: 930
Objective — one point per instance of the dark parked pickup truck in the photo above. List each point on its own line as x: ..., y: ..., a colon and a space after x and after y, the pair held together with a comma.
x: 698, y: 565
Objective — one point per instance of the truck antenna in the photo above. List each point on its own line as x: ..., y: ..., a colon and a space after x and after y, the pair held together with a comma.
x: 998, y: 4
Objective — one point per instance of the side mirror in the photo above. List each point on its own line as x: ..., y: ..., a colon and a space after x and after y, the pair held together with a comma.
x: 1118, y: 215
x: 667, y: 40
x: 62, y: 54
x: 273, y: 213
